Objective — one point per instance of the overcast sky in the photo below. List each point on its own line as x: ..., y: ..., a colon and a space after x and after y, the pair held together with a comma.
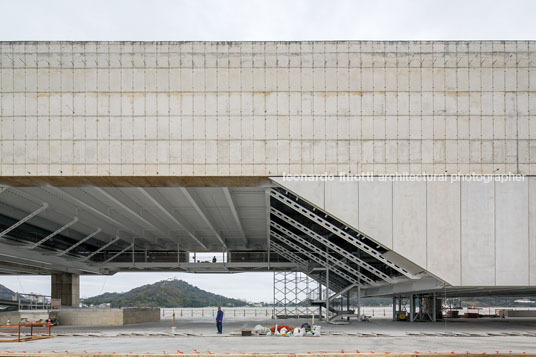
x: 266, y: 20
x: 250, y: 20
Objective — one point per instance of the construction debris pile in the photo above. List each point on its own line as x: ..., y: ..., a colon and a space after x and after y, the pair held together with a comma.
x: 285, y: 330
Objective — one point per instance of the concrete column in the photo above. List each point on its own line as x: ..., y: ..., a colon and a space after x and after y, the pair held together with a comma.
x: 394, y: 308
x: 66, y: 286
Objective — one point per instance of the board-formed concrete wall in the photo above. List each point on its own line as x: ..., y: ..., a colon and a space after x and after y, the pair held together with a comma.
x: 467, y: 233
x: 16, y: 317
x: 266, y: 108
x: 140, y: 315
x: 107, y: 317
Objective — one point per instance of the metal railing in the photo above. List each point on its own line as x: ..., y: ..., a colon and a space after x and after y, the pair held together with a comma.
x: 29, y: 301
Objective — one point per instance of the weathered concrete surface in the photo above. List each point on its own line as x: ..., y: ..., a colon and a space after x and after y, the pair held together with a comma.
x: 145, y: 109
x: 253, y: 354
x: 66, y: 287
x: 106, y: 317
x: 140, y: 315
x: 379, y: 336
x: 323, y: 354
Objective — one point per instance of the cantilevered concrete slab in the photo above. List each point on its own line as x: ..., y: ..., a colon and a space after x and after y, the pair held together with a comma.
x: 120, y: 156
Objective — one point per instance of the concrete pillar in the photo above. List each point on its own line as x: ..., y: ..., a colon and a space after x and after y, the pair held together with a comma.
x: 66, y: 286
x: 394, y: 308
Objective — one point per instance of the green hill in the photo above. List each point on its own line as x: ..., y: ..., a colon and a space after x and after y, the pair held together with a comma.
x: 166, y: 293
x: 5, y: 292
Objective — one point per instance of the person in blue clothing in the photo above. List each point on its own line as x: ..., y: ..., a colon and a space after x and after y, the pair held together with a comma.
x: 219, y: 320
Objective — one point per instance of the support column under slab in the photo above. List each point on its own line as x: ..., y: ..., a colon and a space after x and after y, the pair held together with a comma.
x: 327, y: 294
x: 66, y: 286
x: 359, y: 302
x: 434, y: 308
x: 394, y: 308
x: 411, y: 308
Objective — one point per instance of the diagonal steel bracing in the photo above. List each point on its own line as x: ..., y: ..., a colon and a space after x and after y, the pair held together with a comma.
x: 316, y: 259
x: 322, y: 253
x: 101, y: 249
x: 104, y: 215
x: 342, y: 291
x: 27, y: 218
x: 288, y: 254
x: 331, y: 245
x: 118, y: 254
x: 279, y: 249
x: 282, y: 250
x: 56, y: 232
x: 339, y: 232
x: 79, y: 242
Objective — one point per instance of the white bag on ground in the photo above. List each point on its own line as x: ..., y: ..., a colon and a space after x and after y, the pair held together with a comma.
x: 316, y: 330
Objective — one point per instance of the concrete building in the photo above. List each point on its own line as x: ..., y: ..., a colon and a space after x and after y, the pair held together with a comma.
x: 120, y: 156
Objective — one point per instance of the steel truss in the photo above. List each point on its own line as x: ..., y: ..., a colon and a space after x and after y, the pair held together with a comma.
x: 292, y: 290
x: 339, y: 232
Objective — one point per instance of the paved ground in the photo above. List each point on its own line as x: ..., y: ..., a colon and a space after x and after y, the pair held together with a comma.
x: 380, y: 335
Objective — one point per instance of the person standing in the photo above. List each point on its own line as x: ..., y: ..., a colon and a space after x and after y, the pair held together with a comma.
x: 219, y: 320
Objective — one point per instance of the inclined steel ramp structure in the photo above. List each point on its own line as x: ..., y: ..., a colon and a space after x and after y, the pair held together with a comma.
x: 337, y: 256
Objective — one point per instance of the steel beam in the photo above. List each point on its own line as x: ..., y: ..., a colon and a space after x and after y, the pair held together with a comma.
x: 339, y: 232
x: 118, y: 254
x: 324, y: 254
x: 279, y: 249
x: 331, y: 245
x: 162, y: 209
x: 95, y: 211
x: 27, y: 218
x: 10, y: 269
x: 100, y: 249
x: 232, y: 206
x: 291, y: 255
x: 340, y: 292
x: 203, y: 267
x: 56, y: 232
x: 288, y: 254
x: 79, y: 242
x: 125, y: 208
x: 268, y: 205
x: 57, y: 198
x: 33, y: 258
x: 203, y: 216
x: 312, y: 257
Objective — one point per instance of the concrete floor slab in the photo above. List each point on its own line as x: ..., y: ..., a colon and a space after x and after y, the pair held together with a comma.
x: 381, y: 335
